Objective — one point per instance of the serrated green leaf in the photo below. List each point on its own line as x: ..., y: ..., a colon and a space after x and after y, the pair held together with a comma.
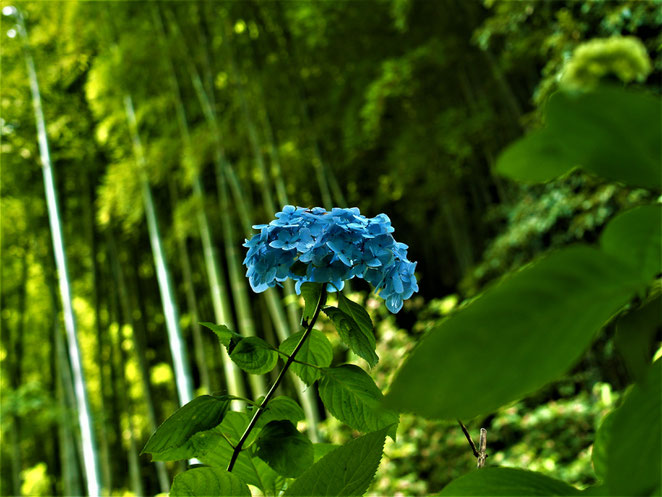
x: 611, y: 132
x: 347, y: 470
x: 280, y: 409
x: 635, y: 336
x: 507, y: 481
x: 282, y: 447
x: 201, y: 414
x: 522, y: 333
x: 322, y: 449
x: 204, y: 482
x: 633, y: 450
x: 360, y: 317
x: 311, y: 295
x: 254, y: 355
x: 350, y: 333
x: 250, y: 469
x: 635, y: 236
x: 225, y: 335
x: 316, y: 350
x: 350, y: 394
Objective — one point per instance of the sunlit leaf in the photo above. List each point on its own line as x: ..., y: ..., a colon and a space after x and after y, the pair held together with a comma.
x: 203, y: 482
x: 347, y: 470
x: 254, y: 355
x: 316, y: 350
x: 201, y: 414
x: 351, y: 395
x: 352, y: 335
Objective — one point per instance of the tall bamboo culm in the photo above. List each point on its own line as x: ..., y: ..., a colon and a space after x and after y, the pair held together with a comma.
x: 85, y: 420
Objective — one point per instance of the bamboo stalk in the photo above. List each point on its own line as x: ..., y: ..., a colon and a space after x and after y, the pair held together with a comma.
x: 85, y: 417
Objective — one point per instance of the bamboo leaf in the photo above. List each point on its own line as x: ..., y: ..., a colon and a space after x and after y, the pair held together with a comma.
x: 316, y: 350
x: 201, y: 482
x: 347, y: 470
x: 351, y: 395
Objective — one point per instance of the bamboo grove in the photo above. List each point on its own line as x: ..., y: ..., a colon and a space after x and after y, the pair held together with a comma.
x: 141, y: 141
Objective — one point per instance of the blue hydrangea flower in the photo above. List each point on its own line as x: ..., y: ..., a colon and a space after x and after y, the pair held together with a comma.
x: 330, y: 247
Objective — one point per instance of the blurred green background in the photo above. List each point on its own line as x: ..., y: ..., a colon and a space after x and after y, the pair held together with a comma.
x: 394, y: 106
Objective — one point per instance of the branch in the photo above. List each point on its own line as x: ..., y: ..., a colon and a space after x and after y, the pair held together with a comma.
x: 281, y: 375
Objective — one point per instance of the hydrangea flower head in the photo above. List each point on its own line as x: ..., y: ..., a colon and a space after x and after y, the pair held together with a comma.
x: 314, y: 245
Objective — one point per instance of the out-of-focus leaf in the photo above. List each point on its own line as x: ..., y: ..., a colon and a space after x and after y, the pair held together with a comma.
x: 611, y: 132
x: 524, y: 332
x: 635, y: 236
x: 507, y: 481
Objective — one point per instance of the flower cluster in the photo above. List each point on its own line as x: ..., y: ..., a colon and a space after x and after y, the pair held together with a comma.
x: 313, y: 245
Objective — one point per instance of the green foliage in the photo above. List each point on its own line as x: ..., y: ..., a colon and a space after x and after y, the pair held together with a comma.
x: 347, y: 470
x: 254, y: 355
x: 173, y: 436
x: 625, y: 57
x: 351, y: 395
x: 635, y: 336
x: 635, y: 237
x: 631, y: 455
x: 477, y: 355
x: 316, y: 350
x: 225, y: 335
x: 281, y: 409
x: 358, y: 337
x: 311, y: 294
x: 200, y: 482
x: 507, y: 481
x: 286, y: 450
x: 599, y: 131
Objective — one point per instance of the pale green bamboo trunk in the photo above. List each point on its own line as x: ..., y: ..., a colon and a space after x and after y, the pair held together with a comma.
x: 219, y: 293
x: 177, y: 345
x: 85, y: 419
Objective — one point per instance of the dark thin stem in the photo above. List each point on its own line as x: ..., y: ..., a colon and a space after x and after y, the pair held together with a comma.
x: 471, y: 442
x: 279, y: 379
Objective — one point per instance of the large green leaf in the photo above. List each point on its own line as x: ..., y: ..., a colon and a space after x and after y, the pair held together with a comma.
x: 635, y: 336
x: 611, y: 132
x: 279, y: 409
x: 347, y: 470
x: 225, y: 335
x: 316, y: 350
x: 311, y: 295
x: 361, y: 343
x: 250, y: 469
x: 201, y: 414
x: 282, y: 447
x: 205, y: 482
x: 524, y: 332
x: 254, y: 355
x: 635, y: 236
x: 633, y: 449
x: 507, y: 481
x: 351, y: 395
x: 359, y: 315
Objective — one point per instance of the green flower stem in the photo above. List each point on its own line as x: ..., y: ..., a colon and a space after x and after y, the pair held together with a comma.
x: 281, y: 375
